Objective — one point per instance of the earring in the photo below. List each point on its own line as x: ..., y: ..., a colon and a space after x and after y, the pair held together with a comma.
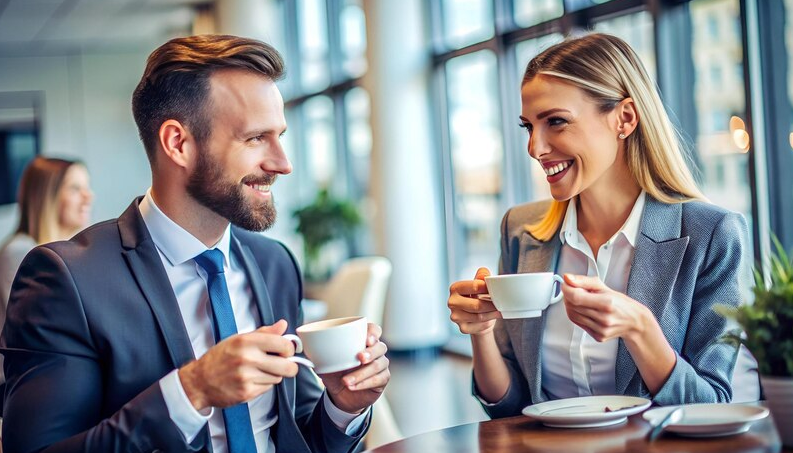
x: 622, y: 136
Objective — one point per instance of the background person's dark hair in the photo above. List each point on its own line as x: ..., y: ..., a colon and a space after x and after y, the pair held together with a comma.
x: 175, y: 84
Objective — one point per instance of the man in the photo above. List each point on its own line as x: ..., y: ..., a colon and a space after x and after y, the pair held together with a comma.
x: 125, y: 338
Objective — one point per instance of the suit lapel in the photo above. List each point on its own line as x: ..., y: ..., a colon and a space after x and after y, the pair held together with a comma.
x: 288, y: 437
x: 146, y: 266
x: 255, y: 279
x: 535, y: 256
x: 656, y: 264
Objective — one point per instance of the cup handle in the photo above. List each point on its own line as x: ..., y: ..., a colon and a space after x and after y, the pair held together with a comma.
x: 301, y: 361
x: 558, y: 297
x: 298, y: 349
x: 296, y: 340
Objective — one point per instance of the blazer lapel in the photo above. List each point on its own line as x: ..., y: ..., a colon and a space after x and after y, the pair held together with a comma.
x: 146, y: 266
x: 656, y: 264
x: 535, y: 256
x: 287, y: 433
x: 255, y: 279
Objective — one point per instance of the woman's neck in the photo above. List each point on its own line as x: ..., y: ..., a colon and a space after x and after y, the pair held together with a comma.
x: 601, y: 215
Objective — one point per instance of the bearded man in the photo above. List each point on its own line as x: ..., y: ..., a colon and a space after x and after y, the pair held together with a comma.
x: 162, y: 330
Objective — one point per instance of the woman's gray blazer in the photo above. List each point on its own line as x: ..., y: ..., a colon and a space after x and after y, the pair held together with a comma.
x: 688, y: 257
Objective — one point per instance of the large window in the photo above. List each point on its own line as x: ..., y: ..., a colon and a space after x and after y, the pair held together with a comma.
x: 695, y: 50
x: 482, y: 63
x: 477, y: 156
x: 329, y: 137
x: 722, y: 142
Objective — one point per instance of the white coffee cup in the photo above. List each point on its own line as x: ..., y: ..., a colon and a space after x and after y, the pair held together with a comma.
x: 523, y: 295
x: 333, y: 344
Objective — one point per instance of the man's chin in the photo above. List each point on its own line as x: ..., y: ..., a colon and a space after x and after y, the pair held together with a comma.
x: 262, y: 221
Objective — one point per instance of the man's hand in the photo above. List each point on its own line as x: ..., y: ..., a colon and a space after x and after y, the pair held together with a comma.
x: 239, y: 368
x: 353, y: 391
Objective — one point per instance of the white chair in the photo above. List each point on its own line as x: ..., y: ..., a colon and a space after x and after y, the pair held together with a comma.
x: 360, y: 288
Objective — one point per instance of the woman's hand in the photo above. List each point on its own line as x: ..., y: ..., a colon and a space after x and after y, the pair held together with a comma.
x: 606, y: 314
x: 478, y: 319
x: 602, y: 312
x: 473, y: 316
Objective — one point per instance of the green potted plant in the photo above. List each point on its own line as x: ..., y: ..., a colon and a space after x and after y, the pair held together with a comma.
x: 768, y: 328
x: 324, y: 220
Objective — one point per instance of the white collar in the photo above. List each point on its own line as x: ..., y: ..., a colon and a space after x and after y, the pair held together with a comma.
x: 630, y: 229
x: 176, y: 243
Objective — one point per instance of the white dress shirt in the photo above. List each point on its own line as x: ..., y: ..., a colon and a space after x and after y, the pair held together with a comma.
x: 177, y: 248
x: 573, y: 363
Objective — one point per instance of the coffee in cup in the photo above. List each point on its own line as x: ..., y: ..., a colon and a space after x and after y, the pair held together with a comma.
x: 333, y: 344
x: 523, y: 295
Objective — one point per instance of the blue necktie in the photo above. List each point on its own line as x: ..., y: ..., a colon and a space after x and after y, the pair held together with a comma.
x: 237, y: 419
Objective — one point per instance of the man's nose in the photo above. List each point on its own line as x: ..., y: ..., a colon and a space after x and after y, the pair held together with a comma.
x: 277, y: 161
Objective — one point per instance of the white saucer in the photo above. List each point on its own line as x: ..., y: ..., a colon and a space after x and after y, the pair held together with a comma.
x: 586, y: 411
x: 710, y: 420
x: 335, y: 368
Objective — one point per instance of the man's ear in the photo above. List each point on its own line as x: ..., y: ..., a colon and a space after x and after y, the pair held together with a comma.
x: 627, y: 117
x: 176, y: 143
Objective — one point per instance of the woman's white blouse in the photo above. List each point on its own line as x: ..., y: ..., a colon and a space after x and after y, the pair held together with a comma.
x: 573, y: 363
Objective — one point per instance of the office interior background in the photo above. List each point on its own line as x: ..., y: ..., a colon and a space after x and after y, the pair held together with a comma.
x: 409, y: 110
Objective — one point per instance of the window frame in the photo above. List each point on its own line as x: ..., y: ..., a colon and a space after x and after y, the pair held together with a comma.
x: 767, y: 158
x: 343, y: 184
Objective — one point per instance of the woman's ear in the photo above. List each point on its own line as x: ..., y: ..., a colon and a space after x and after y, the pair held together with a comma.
x: 175, y: 143
x: 627, y: 118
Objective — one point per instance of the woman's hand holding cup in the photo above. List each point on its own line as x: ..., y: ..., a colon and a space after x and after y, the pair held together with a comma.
x: 471, y: 314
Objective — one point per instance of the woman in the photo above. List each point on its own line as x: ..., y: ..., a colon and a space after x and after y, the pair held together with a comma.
x: 644, y: 256
x: 54, y: 203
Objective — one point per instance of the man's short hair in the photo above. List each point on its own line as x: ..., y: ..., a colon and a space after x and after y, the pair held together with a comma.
x: 176, y: 82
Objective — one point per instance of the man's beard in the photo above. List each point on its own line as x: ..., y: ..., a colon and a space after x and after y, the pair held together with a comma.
x: 209, y: 187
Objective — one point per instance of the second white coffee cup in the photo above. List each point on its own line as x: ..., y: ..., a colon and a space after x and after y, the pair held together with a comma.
x: 524, y: 295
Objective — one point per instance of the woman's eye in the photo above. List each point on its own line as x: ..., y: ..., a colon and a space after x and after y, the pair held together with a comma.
x: 526, y: 127
x: 555, y: 121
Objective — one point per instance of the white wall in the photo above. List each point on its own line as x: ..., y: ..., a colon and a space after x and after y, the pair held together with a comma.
x: 86, y: 115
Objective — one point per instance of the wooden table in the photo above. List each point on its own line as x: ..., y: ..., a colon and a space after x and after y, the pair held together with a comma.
x: 521, y: 434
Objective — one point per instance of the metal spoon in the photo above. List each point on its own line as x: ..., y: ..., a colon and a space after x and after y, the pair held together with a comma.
x: 674, y: 416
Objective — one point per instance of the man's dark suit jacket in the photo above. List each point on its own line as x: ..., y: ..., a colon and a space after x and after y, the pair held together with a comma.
x: 93, y: 324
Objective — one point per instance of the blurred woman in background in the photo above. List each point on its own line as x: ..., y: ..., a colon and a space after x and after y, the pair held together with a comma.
x: 54, y: 203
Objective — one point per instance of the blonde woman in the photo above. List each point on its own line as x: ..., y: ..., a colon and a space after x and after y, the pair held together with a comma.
x: 54, y: 203
x: 644, y: 255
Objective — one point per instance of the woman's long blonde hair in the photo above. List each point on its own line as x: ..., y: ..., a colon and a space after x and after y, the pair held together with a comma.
x: 608, y: 71
x: 38, y: 198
